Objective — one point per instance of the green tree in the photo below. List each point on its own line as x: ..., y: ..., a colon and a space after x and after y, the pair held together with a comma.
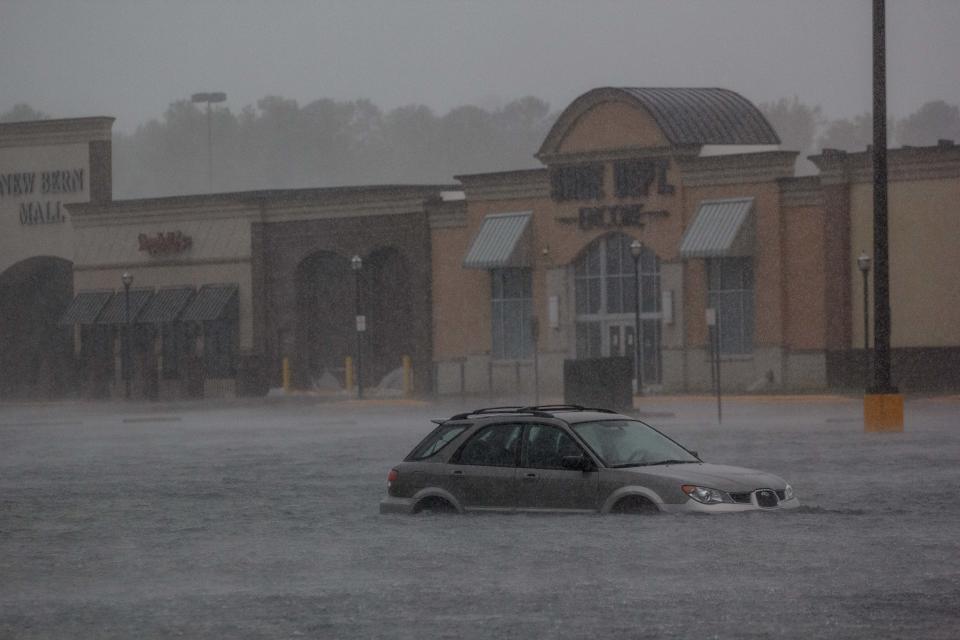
x: 931, y: 122
x: 22, y: 112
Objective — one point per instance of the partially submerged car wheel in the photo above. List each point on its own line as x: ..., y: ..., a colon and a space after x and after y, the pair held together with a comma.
x: 433, y: 504
x: 637, y: 505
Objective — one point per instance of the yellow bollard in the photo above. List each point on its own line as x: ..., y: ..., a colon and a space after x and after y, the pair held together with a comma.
x: 348, y: 375
x: 883, y: 412
x: 286, y: 374
x: 407, y: 376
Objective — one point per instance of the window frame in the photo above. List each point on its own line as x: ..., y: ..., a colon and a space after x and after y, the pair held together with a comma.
x: 505, y: 342
x: 456, y: 458
x: 524, y: 462
x: 743, y: 294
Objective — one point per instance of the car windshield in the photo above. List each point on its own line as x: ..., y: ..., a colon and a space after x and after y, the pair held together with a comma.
x: 630, y: 443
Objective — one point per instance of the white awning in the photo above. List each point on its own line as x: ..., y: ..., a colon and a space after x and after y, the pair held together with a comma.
x: 721, y: 228
x: 503, y: 241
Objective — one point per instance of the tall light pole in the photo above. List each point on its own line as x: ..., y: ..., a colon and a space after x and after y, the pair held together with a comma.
x: 127, y: 280
x: 209, y: 98
x: 881, y: 277
x: 863, y: 262
x: 636, y: 250
x: 356, y: 263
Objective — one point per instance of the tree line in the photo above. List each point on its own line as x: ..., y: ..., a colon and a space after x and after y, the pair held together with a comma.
x: 279, y: 144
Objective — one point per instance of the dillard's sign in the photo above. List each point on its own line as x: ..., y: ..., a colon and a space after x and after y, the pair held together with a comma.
x: 34, y: 186
x: 165, y: 244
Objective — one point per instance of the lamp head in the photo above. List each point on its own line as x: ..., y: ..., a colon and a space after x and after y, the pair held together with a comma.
x: 863, y: 261
x: 636, y: 248
x: 127, y: 278
x: 356, y: 263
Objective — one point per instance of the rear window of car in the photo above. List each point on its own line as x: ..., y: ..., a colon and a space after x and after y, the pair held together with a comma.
x: 437, y: 440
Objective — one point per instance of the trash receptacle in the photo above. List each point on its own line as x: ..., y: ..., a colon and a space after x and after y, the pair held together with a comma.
x: 599, y: 382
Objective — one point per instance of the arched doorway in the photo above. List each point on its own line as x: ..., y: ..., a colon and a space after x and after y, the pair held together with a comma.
x: 327, y: 303
x: 325, y: 331
x: 36, y: 354
x: 388, y: 306
x: 605, y: 293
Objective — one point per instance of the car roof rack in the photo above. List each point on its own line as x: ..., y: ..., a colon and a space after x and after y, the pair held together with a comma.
x: 541, y: 410
x: 514, y: 409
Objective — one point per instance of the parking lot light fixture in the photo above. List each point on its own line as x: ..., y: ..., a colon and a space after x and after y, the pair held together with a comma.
x: 210, y: 97
x: 356, y: 263
x: 863, y: 263
x: 636, y: 250
x: 127, y: 280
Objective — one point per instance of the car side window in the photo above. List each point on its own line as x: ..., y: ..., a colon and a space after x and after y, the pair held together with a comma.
x: 546, y: 446
x: 492, y: 446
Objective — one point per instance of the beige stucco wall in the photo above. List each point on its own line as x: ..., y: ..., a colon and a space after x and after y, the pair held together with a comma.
x: 924, y: 218
x: 805, y: 316
x: 768, y: 266
x: 612, y: 125
x: 21, y: 241
x: 108, y: 245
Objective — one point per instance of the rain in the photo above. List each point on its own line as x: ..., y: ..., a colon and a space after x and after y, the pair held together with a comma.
x: 252, y: 254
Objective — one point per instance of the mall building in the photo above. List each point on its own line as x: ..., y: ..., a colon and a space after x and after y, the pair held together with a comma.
x: 488, y: 284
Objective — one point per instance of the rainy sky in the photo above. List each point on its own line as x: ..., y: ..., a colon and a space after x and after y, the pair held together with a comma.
x: 131, y: 58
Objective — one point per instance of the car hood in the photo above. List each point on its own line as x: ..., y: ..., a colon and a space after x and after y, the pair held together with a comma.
x: 715, y: 476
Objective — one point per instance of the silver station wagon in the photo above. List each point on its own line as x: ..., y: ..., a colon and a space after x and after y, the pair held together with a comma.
x: 568, y: 458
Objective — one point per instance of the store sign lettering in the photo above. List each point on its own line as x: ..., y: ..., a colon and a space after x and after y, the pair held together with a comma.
x: 612, y: 217
x: 34, y: 185
x: 164, y: 244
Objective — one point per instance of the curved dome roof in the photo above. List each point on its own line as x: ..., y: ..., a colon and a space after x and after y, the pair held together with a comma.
x: 686, y: 116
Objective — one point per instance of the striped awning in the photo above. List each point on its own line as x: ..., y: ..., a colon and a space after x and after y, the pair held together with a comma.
x: 721, y: 228
x: 503, y: 241
x: 167, y: 304
x: 116, y: 310
x: 211, y: 303
x: 85, y: 307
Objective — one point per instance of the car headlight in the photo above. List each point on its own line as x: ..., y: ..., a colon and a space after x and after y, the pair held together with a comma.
x: 788, y: 493
x: 706, y: 495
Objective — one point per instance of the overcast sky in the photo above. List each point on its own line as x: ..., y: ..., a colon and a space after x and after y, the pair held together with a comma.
x: 131, y: 58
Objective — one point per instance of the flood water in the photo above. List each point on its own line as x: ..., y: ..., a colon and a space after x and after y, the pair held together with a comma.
x: 260, y: 520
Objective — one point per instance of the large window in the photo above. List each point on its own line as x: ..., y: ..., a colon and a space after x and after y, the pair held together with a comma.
x: 577, y: 182
x: 730, y: 292
x: 511, y: 313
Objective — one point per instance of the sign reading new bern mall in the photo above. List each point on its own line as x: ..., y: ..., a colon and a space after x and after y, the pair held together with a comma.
x: 39, y: 193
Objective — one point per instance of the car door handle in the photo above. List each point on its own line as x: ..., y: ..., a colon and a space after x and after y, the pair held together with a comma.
x: 457, y: 473
x: 530, y: 476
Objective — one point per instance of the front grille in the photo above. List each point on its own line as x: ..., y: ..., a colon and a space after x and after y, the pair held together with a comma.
x: 742, y: 498
x: 767, y: 498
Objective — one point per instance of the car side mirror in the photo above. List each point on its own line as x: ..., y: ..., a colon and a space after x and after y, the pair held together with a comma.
x: 577, y: 463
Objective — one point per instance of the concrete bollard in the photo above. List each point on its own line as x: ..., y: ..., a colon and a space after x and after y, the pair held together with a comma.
x: 285, y: 372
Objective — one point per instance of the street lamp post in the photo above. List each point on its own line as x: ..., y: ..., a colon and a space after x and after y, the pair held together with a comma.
x: 127, y: 280
x: 356, y: 263
x: 209, y: 98
x: 863, y: 262
x: 636, y: 250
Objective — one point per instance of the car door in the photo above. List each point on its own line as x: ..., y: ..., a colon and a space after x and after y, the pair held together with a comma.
x: 483, y: 471
x: 543, y: 482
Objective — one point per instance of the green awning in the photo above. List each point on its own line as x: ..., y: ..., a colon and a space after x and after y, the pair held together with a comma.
x: 503, y: 241
x: 721, y: 228
x: 116, y: 310
x: 85, y: 307
x: 212, y: 302
x: 167, y: 304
